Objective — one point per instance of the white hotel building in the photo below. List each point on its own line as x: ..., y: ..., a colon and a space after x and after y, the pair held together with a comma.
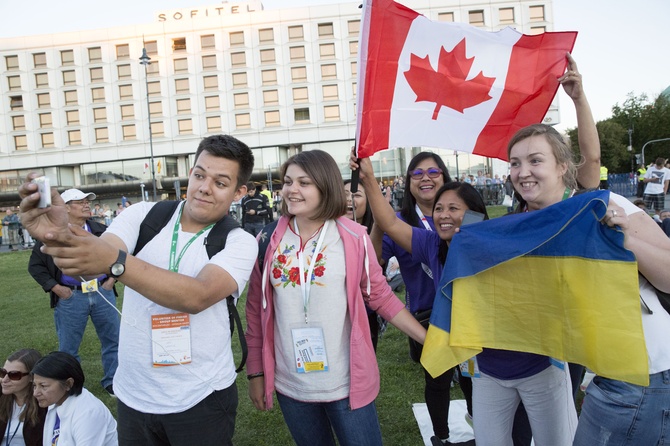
x: 77, y: 106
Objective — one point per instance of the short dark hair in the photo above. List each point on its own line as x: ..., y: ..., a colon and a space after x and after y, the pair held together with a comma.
x: 251, y: 186
x: 226, y: 146
x: 61, y: 366
x: 323, y: 170
x: 407, y: 210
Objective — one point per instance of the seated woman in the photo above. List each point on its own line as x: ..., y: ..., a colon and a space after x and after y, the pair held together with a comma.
x: 21, y: 419
x: 75, y: 416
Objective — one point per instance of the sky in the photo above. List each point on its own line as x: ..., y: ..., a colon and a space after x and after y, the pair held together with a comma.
x: 622, y: 45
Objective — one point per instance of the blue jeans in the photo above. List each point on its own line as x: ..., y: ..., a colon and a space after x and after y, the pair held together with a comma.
x: 254, y: 228
x: 71, y: 316
x: 623, y: 414
x: 314, y: 423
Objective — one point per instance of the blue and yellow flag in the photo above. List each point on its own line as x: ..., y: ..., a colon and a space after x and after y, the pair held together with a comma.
x: 555, y: 282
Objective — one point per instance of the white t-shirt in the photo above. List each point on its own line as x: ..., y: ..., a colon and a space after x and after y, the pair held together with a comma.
x: 170, y: 389
x: 655, y: 172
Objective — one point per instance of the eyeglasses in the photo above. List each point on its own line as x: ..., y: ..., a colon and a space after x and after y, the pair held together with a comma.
x: 80, y: 202
x: 14, y: 376
x: 433, y: 172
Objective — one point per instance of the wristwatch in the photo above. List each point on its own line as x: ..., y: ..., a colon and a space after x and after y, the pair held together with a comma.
x: 118, y: 267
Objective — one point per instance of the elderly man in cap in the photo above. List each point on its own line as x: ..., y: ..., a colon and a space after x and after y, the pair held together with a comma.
x: 74, y: 299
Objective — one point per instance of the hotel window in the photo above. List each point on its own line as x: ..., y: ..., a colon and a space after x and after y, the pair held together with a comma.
x: 300, y: 94
x: 19, y: 122
x: 295, y: 32
x: 74, y: 137
x: 183, y: 106
x: 99, y: 114
x: 41, y: 80
x: 537, y: 13
x: 329, y: 71
x: 327, y: 50
x: 266, y: 35
x: 47, y: 140
x: 236, y: 38
x: 301, y: 115
x: 445, y: 16
x: 325, y: 30
x: 331, y: 112
x: 179, y: 44
x: 185, y: 126
x: 270, y: 97
x: 20, y: 142
x: 210, y: 83
x: 123, y: 51
x: 157, y: 129
x: 129, y: 133
x: 181, y: 86
x: 70, y: 97
x: 354, y: 27
x: 214, y: 123
x: 272, y: 118
x: 40, y: 60
x: 209, y: 62
x: 354, y: 89
x: 125, y: 92
x: 239, y: 80
x: 96, y: 75
x: 506, y: 16
x: 241, y: 100
x: 12, y: 62
x: 353, y: 47
x: 123, y: 71
x: 297, y: 53
x: 16, y: 102
x: 180, y: 65
x: 43, y: 100
x: 155, y: 108
x: 72, y: 117
x: 207, y: 42
x: 153, y: 69
x: 127, y: 112
x: 476, y: 18
x: 69, y: 77
x: 330, y: 92
x: 212, y: 103
x: 98, y: 94
x: 154, y: 88
x: 354, y: 68
x: 268, y: 56
x: 45, y: 120
x: 151, y: 47
x: 535, y: 30
x: 14, y: 83
x: 238, y: 59
x: 243, y: 121
x: 95, y: 54
x: 101, y: 134
x: 67, y: 57
x: 298, y: 74
x: 269, y: 77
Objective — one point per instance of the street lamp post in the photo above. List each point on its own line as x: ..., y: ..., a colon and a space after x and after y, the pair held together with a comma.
x: 146, y: 60
x: 649, y: 142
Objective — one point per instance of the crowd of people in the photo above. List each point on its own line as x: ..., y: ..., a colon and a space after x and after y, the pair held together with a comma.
x: 317, y: 291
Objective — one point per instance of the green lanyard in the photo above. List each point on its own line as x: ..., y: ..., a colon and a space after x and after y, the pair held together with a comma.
x: 567, y: 194
x: 174, y: 263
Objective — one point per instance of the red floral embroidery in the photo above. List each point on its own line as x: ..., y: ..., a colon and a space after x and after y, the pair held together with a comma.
x: 294, y: 275
x: 319, y: 270
x: 276, y: 272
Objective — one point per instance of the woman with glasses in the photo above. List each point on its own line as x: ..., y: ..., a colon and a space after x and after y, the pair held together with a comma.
x: 21, y: 418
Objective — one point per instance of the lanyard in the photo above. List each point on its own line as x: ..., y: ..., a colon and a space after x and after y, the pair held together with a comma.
x: 567, y: 194
x: 174, y: 260
x: 306, y: 283
x: 424, y: 220
x: 9, y: 439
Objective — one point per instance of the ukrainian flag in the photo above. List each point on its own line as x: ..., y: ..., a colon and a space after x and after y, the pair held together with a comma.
x: 555, y: 282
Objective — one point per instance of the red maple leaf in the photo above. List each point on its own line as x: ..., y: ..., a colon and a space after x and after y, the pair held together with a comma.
x: 448, y: 85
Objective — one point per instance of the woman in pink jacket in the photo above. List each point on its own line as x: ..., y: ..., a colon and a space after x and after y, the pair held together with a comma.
x: 309, y: 340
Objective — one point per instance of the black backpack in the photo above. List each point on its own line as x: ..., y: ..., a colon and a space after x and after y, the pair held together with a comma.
x: 159, y: 216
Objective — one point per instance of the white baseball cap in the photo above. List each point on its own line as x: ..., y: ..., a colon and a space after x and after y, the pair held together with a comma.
x: 76, y: 194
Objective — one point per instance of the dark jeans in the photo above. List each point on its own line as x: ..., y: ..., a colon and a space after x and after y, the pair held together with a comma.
x: 210, y: 422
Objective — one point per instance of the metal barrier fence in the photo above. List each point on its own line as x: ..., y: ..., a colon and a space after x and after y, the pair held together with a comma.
x: 623, y: 184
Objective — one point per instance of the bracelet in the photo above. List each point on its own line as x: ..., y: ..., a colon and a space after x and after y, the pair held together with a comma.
x: 255, y: 375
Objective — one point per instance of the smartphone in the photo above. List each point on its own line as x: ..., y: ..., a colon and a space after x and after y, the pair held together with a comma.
x: 44, y: 190
x: 472, y: 217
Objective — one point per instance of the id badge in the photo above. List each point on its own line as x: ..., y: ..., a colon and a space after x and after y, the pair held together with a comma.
x: 470, y: 368
x: 171, y: 339
x: 89, y: 287
x: 309, y: 347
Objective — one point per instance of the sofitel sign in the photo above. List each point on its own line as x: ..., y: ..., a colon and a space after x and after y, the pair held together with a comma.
x: 210, y: 11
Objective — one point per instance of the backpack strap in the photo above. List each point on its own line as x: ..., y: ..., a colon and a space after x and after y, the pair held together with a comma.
x: 156, y: 219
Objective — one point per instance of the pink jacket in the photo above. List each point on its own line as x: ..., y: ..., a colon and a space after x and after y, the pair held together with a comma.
x: 358, y: 250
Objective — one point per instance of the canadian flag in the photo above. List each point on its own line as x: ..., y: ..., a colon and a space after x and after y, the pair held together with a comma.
x: 450, y: 85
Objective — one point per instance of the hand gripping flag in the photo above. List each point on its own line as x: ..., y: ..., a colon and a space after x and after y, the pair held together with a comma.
x: 450, y: 85
x: 557, y: 283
